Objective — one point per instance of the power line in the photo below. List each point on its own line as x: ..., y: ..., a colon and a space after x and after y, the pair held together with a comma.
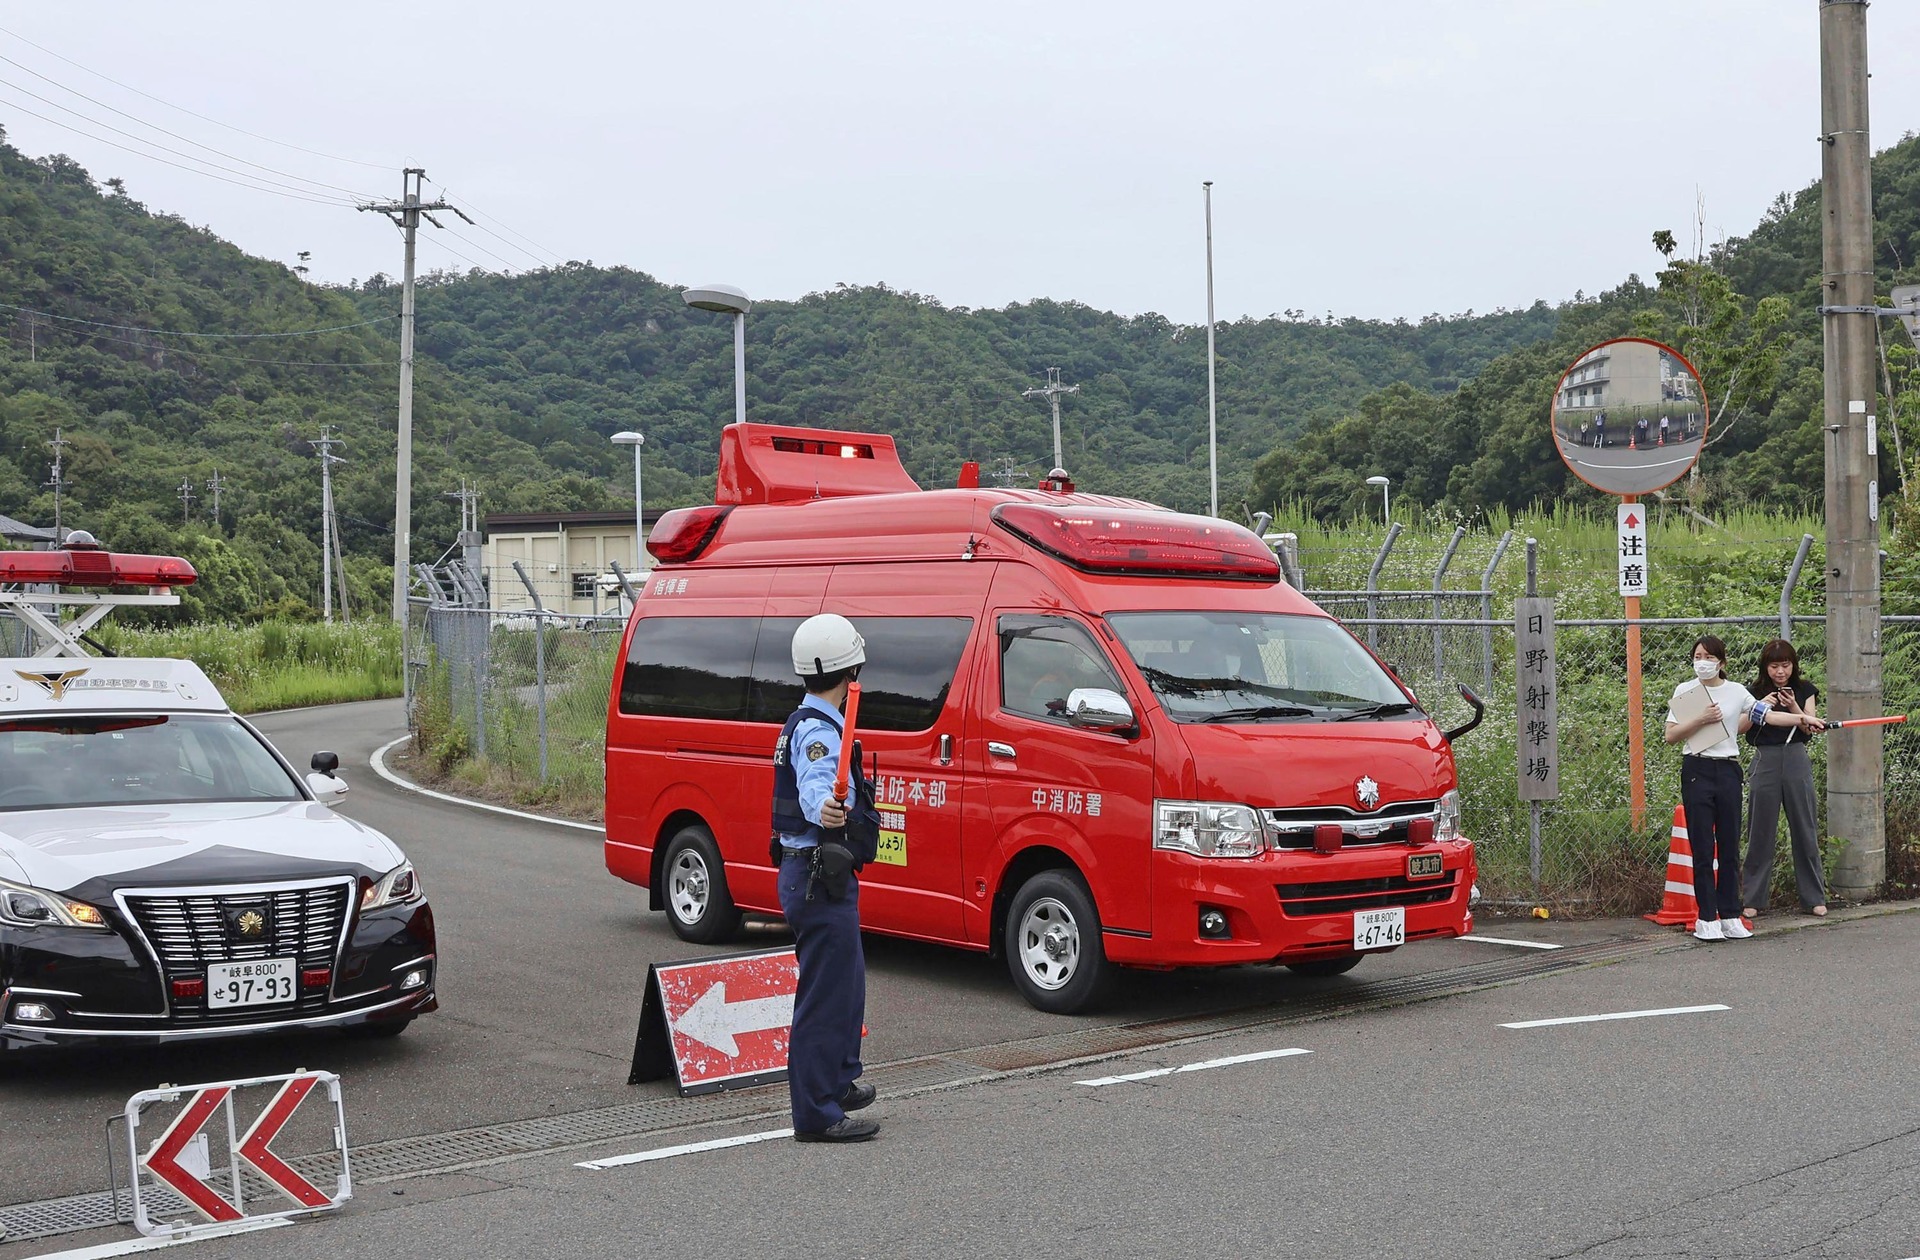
x: 165, y: 332
x: 121, y: 131
x: 318, y: 201
x: 545, y: 256
x: 162, y: 130
x: 378, y: 166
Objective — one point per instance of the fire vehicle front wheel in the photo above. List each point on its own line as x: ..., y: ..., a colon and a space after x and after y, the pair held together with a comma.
x: 1053, y: 944
x: 694, y: 884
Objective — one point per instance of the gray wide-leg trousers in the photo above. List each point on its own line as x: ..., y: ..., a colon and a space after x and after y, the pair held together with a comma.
x: 1782, y: 775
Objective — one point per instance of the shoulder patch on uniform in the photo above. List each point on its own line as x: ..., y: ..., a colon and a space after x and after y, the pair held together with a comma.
x: 816, y: 750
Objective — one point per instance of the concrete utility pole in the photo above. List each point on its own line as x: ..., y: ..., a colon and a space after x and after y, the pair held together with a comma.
x: 472, y: 544
x: 1051, y: 391
x: 407, y: 213
x: 1213, y: 455
x: 54, y: 482
x: 1009, y: 474
x: 215, y: 484
x: 186, y: 500
x: 329, y: 527
x: 1855, y: 774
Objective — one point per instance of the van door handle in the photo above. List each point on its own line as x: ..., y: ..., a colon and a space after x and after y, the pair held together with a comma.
x: 946, y: 750
x: 997, y: 749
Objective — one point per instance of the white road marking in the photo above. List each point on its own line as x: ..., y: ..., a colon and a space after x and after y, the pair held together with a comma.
x: 379, y: 763
x: 1506, y: 940
x: 134, y: 1245
x: 1229, y: 1061
x: 691, y: 1148
x: 1594, y: 1019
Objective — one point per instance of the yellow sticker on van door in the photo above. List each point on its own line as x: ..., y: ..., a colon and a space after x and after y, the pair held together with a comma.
x: 893, y: 837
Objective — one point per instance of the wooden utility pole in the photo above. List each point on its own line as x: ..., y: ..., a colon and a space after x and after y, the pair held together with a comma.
x: 1855, y: 776
x: 407, y: 213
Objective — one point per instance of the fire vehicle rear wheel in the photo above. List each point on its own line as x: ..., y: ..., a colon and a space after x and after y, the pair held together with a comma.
x: 1053, y: 946
x: 1327, y: 966
x: 694, y: 887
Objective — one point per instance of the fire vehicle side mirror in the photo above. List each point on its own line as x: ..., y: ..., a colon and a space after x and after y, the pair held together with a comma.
x: 1098, y: 709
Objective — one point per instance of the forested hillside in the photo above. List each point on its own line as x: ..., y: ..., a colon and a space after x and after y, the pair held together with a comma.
x: 165, y: 355
x: 1744, y: 315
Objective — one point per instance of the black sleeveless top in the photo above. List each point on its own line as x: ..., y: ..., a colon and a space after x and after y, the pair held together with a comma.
x: 1766, y: 736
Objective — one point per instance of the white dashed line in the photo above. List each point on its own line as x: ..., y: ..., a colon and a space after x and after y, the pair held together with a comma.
x: 691, y: 1148
x: 133, y: 1246
x: 1594, y: 1019
x: 1507, y: 940
x: 1193, y: 1067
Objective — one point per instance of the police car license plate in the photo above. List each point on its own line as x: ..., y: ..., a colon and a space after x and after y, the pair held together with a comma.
x: 266, y: 982
x: 1378, y: 929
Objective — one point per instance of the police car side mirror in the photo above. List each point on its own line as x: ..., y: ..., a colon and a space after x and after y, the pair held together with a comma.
x: 1098, y: 709
x: 325, y: 763
x: 326, y: 789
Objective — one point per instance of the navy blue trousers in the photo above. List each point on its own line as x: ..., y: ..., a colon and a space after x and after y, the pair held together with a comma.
x: 1710, y: 791
x: 823, y: 1048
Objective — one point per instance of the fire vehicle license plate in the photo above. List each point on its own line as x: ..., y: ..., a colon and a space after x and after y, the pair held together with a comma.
x: 1378, y: 929
x: 264, y: 982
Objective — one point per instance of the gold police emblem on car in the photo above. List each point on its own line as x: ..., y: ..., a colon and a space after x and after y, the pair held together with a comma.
x: 252, y: 923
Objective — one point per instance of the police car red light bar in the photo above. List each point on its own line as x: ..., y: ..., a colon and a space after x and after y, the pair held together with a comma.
x: 682, y: 534
x: 1142, y: 542
x: 93, y: 568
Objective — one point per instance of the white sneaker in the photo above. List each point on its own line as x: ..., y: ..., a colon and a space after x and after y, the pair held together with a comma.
x: 1735, y: 929
x: 1708, y: 930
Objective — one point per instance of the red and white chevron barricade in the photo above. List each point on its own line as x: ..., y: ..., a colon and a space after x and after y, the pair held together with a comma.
x: 180, y: 1156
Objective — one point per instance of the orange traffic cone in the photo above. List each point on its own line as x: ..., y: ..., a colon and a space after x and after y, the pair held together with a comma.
x: 1677, y: 908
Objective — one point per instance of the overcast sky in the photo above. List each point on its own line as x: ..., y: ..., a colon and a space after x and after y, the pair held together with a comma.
x: 1375, y: 157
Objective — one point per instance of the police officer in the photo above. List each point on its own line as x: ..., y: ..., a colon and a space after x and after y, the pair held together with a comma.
x: 818, y: 892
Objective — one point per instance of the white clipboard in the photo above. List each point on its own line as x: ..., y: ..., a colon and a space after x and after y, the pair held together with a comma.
x: 1689, y: 703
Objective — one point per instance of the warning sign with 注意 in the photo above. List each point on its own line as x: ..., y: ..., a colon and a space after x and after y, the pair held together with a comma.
x: 717, y: 1023
x: 1633, y: 550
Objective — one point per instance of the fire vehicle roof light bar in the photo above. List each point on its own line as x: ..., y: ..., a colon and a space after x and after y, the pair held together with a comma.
x: 1142, y: 542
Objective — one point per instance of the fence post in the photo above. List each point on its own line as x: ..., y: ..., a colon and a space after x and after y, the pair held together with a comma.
x: 1793, y: 580
x: 1533, y: 807
x: 1287, y: 546
x: 626, y: 587
x: 1439, y: 584
x: 1486, y: 612
x: 1373, y: 587
x: 539, y: 663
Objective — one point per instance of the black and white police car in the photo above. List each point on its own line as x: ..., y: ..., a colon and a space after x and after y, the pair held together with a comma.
x: 165, y: 874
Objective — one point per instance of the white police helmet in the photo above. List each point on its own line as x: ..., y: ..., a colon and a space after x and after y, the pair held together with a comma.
x: 825, y: 643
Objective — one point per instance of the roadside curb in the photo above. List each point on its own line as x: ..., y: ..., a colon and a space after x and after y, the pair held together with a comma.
x: 379, y: 763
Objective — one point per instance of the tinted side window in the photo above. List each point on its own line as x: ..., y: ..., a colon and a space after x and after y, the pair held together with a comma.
x: 1042, y: 660
x: 774, y: 691
x: 909, y: 671
x: 692, y: 667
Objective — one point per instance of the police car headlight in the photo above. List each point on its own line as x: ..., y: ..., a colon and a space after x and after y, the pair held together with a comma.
x: 1209, y: 829
x: 1447, y: 826
x: 21, y: 906
x: 396, y: 887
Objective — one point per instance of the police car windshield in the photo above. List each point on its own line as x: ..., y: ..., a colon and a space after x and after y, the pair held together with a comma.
x: 1248, y: 667
x: 152, y: 759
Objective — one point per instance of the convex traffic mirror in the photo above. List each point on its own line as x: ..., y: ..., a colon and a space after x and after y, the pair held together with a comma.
x: 1630, y: 416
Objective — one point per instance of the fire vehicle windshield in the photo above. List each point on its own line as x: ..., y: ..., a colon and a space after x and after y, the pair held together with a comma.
x: 1257, y: 667
x: 153, y: 759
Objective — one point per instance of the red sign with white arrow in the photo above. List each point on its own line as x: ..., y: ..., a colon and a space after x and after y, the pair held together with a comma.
x: 254, y: 1146
x: 727, y: 1018
x: 163, y: 1157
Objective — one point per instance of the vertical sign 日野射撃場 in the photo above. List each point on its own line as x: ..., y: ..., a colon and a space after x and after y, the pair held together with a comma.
x: 1537, y: 745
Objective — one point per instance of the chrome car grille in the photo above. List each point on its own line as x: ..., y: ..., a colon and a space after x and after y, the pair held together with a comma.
x: 187, y: 931
x: 1293, y: 828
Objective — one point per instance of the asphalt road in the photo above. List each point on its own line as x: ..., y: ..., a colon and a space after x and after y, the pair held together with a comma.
x: 1784, y: 1125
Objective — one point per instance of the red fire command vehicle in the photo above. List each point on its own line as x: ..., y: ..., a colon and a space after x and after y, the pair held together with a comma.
x: 1103, y: 733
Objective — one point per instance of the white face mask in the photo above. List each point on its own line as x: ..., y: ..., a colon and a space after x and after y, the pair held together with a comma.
x: 1706, y: 671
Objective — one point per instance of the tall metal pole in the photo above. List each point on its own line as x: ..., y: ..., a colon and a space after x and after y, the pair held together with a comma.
x: 1213, y: 455
x: 740, y: 366
x: 1051, y: 391
x: 326, y: 530
x: 1855, y: 776
x: 639, y: 515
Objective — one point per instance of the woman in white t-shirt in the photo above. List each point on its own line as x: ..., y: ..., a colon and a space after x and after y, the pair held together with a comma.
x: 1710, y: 785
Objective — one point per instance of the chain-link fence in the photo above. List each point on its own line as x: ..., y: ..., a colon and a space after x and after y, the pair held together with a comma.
x: 522, y: 694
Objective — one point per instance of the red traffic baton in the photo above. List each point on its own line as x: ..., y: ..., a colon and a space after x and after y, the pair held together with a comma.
x: 1895, y: 720
x: 846, y: 745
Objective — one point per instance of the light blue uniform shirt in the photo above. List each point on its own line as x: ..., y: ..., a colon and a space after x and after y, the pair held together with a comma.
x: 814, y: 754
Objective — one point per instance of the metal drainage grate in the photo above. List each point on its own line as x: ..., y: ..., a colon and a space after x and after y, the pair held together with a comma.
x: 438, y: 1153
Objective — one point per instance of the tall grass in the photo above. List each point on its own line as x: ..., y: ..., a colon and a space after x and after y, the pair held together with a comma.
x: 276, y: 664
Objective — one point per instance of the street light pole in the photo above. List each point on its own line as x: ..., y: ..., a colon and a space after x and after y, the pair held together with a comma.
x: 728, y: 301
x: 636, y: 441
x: 1386, y: 509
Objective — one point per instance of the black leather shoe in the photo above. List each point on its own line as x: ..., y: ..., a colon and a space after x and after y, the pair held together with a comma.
x: 848, y: 1130
x: 857, y: 1097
